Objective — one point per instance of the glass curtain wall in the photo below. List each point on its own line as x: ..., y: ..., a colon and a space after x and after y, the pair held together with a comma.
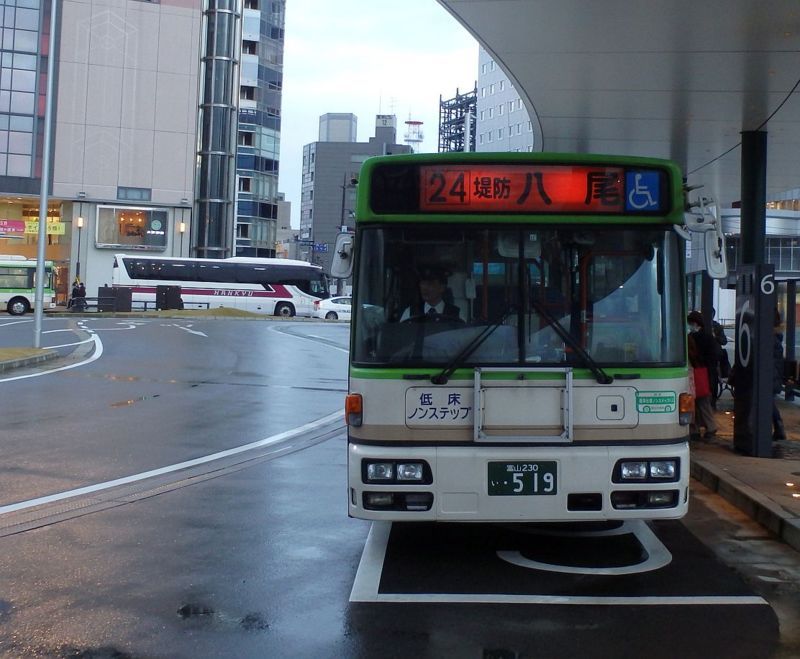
x: 261, y: 85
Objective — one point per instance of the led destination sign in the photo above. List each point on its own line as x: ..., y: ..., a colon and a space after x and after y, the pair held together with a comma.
x: 540, y: 188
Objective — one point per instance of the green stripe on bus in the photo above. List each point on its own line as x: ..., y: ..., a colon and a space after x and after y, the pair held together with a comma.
x: 469, y: 374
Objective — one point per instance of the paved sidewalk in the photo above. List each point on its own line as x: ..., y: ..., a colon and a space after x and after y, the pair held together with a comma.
x: 767, y: 489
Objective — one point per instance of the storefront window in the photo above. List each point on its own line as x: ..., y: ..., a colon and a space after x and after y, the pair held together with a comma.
x: 131, y: 228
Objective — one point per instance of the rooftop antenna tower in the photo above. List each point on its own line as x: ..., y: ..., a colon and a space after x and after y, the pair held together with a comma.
x: 414, y: 135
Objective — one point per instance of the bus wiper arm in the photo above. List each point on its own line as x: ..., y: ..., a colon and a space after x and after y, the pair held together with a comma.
x: 472, y: 346
x: 600, y: 375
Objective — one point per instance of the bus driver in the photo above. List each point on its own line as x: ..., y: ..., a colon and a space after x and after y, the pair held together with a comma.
x: 432, y: 287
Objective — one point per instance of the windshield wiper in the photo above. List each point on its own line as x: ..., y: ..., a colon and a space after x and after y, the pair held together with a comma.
x: 600, y: 375
x: 471, y: 347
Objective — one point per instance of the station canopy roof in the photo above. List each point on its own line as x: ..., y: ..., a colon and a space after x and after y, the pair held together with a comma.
x: 678, y: 79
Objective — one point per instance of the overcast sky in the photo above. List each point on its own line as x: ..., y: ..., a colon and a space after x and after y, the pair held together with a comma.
x: 367, y: 57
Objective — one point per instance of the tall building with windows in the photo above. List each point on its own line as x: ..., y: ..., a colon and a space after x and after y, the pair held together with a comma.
x: 124, y: 125
x: 330, y: 174
x: 259, y: 127
x: 503, y: 122
x: 166, y: 129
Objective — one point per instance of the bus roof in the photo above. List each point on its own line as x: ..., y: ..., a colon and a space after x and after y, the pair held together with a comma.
x: 16, y: 260
x: 233, y: 259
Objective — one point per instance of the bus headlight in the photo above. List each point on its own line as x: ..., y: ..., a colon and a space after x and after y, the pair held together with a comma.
x: 380, y: 471
x: 409, y: 471
x: 633, y: 470
x: 642, y: 470
x: 663, y: 469
x: 403, y: 472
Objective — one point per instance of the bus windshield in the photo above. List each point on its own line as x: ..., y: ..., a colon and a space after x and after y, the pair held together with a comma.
x: 512, y: 295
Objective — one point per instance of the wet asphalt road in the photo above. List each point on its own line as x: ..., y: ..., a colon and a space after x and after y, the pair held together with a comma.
x: 252, y: 554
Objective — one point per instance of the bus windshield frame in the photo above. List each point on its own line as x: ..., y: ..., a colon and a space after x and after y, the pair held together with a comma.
x: 559, y: 294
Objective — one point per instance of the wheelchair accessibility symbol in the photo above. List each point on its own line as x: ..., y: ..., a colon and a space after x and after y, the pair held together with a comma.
x: 643, y: 191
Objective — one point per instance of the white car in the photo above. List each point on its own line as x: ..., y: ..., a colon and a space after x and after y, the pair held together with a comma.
x: 334, y: 308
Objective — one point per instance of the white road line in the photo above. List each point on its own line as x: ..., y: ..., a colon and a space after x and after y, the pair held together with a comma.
x: 89, y: 489
x: 489, y: 598
x: 98, y: 351
x: 15, y: 322
x: 125, y: 327
x: 370, y: 567
x: 191, y: 331
x: 306, y: 338
x: 368, y: 578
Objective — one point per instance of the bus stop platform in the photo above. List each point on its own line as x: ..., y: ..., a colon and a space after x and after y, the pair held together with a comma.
x: 766, y: 489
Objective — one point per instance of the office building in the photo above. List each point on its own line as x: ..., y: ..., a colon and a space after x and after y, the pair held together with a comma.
x: 124, y: 115
x: 259, y: 127
x: 503, y: 121
x: 330, y: 173
x: 338, y: 127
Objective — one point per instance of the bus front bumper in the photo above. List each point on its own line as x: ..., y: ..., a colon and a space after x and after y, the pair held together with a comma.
x: 518, y: 484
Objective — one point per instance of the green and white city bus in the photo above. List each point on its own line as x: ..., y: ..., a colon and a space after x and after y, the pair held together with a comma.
x: 18, y: 284
x: 547, y: 378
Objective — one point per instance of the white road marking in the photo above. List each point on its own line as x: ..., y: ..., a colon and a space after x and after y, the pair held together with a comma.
x: 468, y: 598
x: 307, y: 338
x: 125, y: 327
x: 658, y: 555
x: 126, y: 480
x: 368, y: 578
x: 370, y: 567
x: 191, y: 331
x: 15, y: 322
x: 96, y: 354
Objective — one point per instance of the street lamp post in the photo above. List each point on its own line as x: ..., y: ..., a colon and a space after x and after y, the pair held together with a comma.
x: 182, y: 224
x: 345, y: 186
x: 182, y: 230
x: 344, y: 191
x: 79, y: 223
x: 343, y: 222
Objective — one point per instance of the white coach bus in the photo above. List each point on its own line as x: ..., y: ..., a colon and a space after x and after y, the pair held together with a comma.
x: 280, y: 287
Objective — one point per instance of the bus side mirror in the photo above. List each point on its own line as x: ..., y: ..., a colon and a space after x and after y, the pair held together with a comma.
x: 700, y: 218
x: 342, y: 263
x: 716, y: 260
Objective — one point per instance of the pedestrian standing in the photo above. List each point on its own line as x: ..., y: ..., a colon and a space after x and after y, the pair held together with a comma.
x: 79, y: 296
x: 723, y: 368
x: 74, y: 293
x: 778, y: 431
x: 701, y: 358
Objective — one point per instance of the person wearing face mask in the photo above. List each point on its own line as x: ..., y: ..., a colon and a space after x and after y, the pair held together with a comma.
x: 702, y: 359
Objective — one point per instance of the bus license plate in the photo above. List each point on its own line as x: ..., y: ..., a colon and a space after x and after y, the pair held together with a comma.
x: 522, y: 478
